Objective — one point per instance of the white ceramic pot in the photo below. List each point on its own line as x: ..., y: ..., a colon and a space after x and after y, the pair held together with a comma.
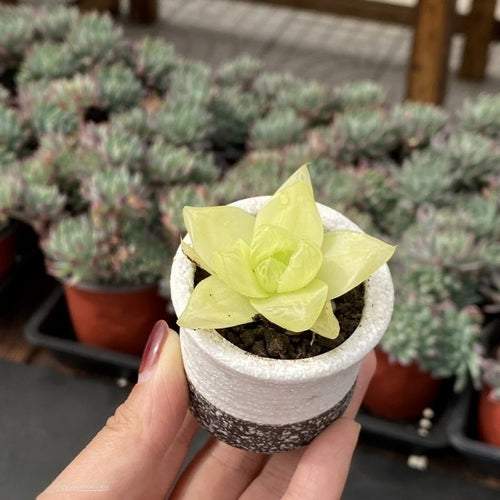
x: 269, y: 405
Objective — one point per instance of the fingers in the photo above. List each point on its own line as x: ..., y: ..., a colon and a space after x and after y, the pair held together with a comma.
x: 218, y: 471
x: 133, y: 456
x: 366, y: 372
x: 324, y: 467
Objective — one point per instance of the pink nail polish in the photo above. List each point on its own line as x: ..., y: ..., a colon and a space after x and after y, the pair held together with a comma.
x: 152, y: 350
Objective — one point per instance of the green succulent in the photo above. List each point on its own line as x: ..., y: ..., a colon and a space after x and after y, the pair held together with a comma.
x: 417, y: 123
x: 233, y: 112
x: 182, y: 123
x: 112, y: 253
x: 46, y: 61
x: 360, y: 94
x: 362, y: 135
x: 269, y: 84
x: 55, y: 22
x: 481, y: 115
x: 118, y: 88
x: 239, y: 72
x: 17, y: 32
x: 48, y: 117
x: 474, y: 159
x: 155, y: 59
x: 279, y: 128
x: 94, y: 39
x: 13, y: 130
x: 169, y: 164
x: 441, y: 338
x: 190, y: 84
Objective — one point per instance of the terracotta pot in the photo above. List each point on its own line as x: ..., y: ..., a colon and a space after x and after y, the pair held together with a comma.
x: 116, y: 318
x: 268, y: 405
x: 8, y: 248
x: 398, y: 392
x: 488, y: 418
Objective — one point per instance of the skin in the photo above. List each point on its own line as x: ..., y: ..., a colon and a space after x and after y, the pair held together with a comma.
x: 140, y: 451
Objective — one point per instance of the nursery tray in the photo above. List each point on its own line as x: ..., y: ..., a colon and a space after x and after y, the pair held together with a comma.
x: 405, y: 433
x: 50, y: 327
x: 462, y: 430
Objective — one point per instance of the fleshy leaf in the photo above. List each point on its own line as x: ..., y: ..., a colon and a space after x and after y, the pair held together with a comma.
x: 271, y: 241
x: 193, y: 256
x: 349, y: 258
x: 327, y: 324
x: 213, y: 229
x: 302, y: 267
x: 295, y: 311
x: 294, y: 210
x: 301, y: 174
x: 232, y: 266
x: 214, y: 305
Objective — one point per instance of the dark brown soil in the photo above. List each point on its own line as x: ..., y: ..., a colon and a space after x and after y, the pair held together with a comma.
x: 271, y: 341
x: 266, y: 339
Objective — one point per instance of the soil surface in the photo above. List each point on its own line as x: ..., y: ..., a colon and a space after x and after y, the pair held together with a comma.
x: 266, y: 339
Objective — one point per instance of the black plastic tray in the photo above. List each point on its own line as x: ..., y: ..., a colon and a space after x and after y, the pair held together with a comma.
x: 50, y: 327
x: 405, y: 433
x: 462, y: 430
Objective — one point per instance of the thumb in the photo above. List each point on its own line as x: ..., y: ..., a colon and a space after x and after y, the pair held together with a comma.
x: 129, y: 457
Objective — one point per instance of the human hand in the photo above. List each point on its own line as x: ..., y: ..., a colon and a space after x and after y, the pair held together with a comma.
x: 140, y: 451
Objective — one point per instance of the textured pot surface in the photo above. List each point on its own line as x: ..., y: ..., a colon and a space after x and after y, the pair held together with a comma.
x: 398, y: 392
x: 116, y: 318
x: 269, y: 405
x: 488, y: 418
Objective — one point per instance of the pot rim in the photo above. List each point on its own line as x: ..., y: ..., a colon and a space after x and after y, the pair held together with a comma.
x: 96, y: 287
x: 379, y: 299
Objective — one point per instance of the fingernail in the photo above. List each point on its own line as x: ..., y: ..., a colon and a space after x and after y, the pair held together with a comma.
x: 152, y: 350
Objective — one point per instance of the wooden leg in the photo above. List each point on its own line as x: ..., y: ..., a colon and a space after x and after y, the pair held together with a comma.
x: 478, y: 34
x: 428, y: 68
x: 144, y: 11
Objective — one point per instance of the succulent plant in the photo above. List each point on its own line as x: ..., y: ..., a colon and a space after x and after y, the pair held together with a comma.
x: 362, y: 135
x: 17, y: 32
x: 54, y: 22
x: 239, y: 72
x: 234, y: 112
x: 268, y: 85
x: 154, y: 60
x: 191, y: 83
x: 13, y: 130
x: 118, y: 88
x: 46, y: 61
x: 124, y: 253
x: 95, y: 38
x: 169, y: 164
x: 441, y: 338
x: 417, y: 123
x: 279, y: 128
x: 360, y: 94
x: 474, y: 158
x: 311, y: 100
x: 183, y: 123
x: 481, y: 115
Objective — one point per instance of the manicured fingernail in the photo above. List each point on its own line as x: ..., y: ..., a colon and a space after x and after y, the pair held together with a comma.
x: 152, y: 350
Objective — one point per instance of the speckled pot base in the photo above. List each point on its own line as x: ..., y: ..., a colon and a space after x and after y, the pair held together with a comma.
x: 261, y: 438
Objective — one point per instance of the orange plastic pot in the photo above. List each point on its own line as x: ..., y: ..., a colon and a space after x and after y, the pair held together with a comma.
x: 116, y: 318
x: 8, y: 248
x: 488, y: 420
x: 398, y: 392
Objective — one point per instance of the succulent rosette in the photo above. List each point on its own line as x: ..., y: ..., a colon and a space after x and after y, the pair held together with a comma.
x: 279, y: 263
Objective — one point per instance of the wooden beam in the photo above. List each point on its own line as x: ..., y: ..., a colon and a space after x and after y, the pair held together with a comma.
x: 478, y: 35
x: 144, y: 11
x: 365, y: 9
x: 428, y: 68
